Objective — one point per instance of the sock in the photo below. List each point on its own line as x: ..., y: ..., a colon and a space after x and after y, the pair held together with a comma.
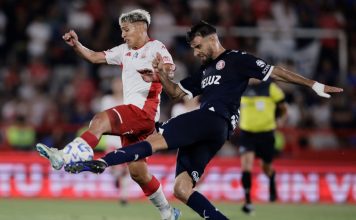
x: 90, y: 138
x: 129, y: 153
x: 272, y: 186
x: 271, y: 178
x: 153, y: 190
x: 246, y: 184
x: 203, y: 207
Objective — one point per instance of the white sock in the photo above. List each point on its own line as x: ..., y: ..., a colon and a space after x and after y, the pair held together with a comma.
x: 159, y: 200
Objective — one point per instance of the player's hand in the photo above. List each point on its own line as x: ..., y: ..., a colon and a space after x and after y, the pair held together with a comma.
x: 157, y: 63
x: 323, y: 90
x: 148, y: 75
x: 71, y: 38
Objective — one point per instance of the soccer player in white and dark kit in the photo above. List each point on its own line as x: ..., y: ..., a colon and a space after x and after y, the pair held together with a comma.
x: 199, y: 134
x: 135, y: 119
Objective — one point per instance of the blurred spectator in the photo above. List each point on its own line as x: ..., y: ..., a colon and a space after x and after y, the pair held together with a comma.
x: 20, y: 135
x: 39, y: 33
x: 162, y: 19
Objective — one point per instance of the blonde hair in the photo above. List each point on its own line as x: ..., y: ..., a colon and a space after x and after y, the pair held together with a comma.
x: 135, y: 16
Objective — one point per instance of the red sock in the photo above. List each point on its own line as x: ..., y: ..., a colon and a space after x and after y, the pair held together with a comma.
x: 151, y: 187
x: 91, y: 139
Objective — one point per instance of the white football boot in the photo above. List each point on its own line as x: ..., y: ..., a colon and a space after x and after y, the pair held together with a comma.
x: 52, y: 154
x: 175, y: 214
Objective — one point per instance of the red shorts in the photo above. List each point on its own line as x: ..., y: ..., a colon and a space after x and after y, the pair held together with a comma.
x: 131, y: 123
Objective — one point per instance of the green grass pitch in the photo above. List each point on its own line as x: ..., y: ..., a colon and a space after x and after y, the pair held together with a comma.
x: 38, y: 209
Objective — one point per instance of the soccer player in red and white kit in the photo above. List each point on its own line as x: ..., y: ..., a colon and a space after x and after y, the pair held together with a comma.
x: 135, y: 119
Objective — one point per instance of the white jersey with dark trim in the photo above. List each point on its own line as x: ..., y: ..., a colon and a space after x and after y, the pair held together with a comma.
x: 222, y: 81
x: 136, y: 91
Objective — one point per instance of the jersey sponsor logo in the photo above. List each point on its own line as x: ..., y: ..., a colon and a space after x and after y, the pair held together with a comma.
x: 220, y: 65
x: 195, y: 176
x: 135, y: 55
x: 260, y: 63
x: 210, y: 80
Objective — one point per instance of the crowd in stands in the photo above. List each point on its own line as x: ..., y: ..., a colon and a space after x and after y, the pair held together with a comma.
x: 45, y: 86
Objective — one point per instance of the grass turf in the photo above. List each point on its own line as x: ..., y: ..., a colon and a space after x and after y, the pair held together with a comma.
x: 37, y: 209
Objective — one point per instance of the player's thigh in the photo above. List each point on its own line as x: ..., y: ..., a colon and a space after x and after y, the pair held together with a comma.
x: 193, y: 127
x: 128, y: 120
x: 194, y: 158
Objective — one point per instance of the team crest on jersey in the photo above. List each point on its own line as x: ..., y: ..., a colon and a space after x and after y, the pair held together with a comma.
x: 195, y: 176
x: 128, y: 54
x: 220, y: 65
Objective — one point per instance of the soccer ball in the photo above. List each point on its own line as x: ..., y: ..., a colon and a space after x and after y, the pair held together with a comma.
x: 77, y: 151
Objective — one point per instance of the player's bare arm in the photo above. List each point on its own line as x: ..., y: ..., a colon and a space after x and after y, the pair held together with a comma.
x: 282, y: 74
x: 71, y: 38
x: 165, y: 73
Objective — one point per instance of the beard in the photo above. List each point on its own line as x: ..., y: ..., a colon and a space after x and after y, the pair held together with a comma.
x: 209, y: 57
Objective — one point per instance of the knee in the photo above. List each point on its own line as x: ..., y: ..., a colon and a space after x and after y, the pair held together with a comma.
x: 99, y: 122
x: 182, y: 191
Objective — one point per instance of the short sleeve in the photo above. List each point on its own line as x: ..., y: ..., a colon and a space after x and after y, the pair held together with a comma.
x: 114, y: 55
x: 192, y: 85
x: 166, y: 56
x: 252, y: 66
x: 276, y: 93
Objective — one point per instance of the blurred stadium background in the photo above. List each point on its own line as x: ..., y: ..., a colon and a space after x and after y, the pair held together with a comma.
x: 48, y: 94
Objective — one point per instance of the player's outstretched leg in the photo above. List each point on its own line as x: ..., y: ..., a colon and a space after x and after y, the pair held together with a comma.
x: 52, y: 154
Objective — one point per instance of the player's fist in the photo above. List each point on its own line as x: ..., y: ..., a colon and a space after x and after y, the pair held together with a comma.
x: 157, y: 63
x: 71, y: 38
x: 323, y: 90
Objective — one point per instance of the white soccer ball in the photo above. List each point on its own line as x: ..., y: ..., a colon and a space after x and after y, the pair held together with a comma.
x: 77, y: 151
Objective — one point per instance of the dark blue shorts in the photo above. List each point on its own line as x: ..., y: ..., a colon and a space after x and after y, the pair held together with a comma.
x: 199, y: 135
x: 261, y: 143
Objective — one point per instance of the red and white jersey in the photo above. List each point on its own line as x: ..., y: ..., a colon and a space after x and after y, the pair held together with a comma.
x: 144, y: 95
